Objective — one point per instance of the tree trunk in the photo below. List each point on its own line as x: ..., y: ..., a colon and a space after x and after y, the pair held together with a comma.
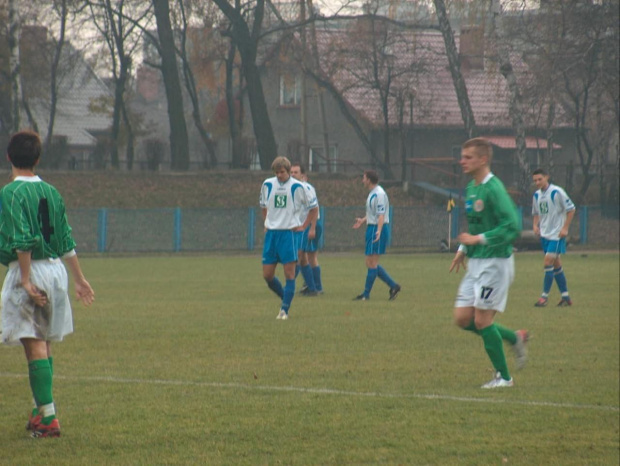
x: 54, y: 77
x: 179, y: 145
x: 14, y: 65
x: 515, y: 105
x: 233, y: 125
x: 455, y: 69
x: 247, y: 44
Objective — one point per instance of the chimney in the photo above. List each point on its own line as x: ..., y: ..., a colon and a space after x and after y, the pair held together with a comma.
x: 471, y: 48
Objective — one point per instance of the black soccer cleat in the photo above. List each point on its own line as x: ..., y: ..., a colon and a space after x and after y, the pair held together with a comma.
x: 394, y: 292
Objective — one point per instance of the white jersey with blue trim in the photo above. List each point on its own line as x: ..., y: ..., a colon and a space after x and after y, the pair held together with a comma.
x: 377, y: 204
x: 284, y: 203
x: 312, y: 201
x: 551, y: 206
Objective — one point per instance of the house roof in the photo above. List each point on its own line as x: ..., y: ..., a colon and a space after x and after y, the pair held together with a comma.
x: 428, y: 81
x: 509, y: 142
x: 78, y: 88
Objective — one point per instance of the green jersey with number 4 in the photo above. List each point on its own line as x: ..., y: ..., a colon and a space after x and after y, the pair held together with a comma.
x: 33, y: 218
x: 492, y: 213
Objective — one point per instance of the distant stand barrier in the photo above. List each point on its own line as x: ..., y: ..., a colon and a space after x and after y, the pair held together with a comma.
x: 107, y: 230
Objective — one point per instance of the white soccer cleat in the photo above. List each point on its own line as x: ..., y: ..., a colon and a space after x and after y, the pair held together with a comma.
x: 520, y: 348
x: 282, y: 315
x: 498, y: 382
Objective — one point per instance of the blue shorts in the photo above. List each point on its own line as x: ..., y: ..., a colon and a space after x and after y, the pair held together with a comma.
x: 280, y: 246
x: 379, y: 246
x: 312, y: 245
x: 299, y: 240
x: 553, y: 246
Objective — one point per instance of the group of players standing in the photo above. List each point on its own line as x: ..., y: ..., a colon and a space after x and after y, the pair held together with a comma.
x: 290, y: 212
x: 35, y: 236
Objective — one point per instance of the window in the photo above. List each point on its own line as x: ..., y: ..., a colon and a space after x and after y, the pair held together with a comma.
x: 290, y: 90
x: 317, y: 160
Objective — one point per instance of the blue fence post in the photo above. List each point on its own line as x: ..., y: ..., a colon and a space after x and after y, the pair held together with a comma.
x: 177, y: 229
x: 322, y: 222
x: 391, y: 217
x: 454, y: 228
x: 583, y: 224
x: 251, y: 228
x: 102, y: 229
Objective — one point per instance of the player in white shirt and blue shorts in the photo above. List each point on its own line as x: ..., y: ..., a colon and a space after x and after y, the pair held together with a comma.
x: 309, y: 242
x: 283, y: 199
x: 552, y: 212
x: 377, y: 234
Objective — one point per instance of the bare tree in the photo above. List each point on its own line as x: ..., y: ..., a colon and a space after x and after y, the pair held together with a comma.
x: 179, y: 144
x: 245, y: 26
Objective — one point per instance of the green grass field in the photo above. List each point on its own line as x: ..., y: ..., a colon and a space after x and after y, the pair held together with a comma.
x: 181, y: 361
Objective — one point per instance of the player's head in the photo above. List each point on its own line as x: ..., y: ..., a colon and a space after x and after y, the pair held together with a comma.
x: 298, y: 171
x: 540, y: 178
x: 24, y: 149
x: 476, y: 154
x: 281, y: 163
x: 370, y: 178
x: 281, y: 166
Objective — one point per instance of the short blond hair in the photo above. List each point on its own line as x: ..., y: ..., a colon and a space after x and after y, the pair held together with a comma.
x: 482, y: 147
x: 281, y: 162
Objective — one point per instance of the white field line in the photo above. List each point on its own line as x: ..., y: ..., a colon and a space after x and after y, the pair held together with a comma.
x: 327, y: 391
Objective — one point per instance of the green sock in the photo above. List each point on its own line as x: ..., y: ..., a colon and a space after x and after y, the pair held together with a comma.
x: 509, y: 335
x: 51, y: 360
x: 506, y: 334
x: 495, y: 349
x: 40, y: 375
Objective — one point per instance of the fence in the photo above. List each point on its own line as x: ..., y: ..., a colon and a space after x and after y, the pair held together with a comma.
x: 238, y: 229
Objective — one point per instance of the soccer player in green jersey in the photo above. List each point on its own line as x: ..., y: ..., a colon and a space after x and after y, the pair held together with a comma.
x: 493, y: 226
x: 34, y: 237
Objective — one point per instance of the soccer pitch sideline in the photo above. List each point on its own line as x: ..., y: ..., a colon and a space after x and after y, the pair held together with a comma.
x: 182, y: 361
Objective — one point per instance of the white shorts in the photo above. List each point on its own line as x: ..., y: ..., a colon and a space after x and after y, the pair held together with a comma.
x: 21, y: 318
x: 486, y: 284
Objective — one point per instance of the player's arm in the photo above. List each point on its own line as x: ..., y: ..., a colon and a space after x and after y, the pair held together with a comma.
x: 569, y: 218
x: 83, y: 290
x: 507, y: 229
x: 380, y: 222
x: 536, y: 224
x: 359, y: 221
x: 24, y: 260
x: 459, y: 259
x: 311, y: 220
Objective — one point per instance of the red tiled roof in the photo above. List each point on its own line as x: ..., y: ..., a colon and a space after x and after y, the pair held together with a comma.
x: 434, y: 98
x: 509, y: 142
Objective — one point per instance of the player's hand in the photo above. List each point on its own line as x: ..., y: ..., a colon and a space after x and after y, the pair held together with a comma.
x: 377, y: 237
x: 38, y: 296
x: 311, y: 233
x: 536, y: 230
x: 84, y: 292
x: 358, y: 222
x: 563, y: 233
x: 458, y: 262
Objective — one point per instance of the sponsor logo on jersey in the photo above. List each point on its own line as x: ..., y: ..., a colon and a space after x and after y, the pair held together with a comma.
x: 479, y: 205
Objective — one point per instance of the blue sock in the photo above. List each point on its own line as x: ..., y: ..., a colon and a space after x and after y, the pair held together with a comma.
x: 297, y: 270
x: 275, y: 286
x: 316, y: 272
x: 548, y: 281
x: 370, y: 280
x: 560, y: 279
x: 383, y: 275
x: 289, y: 292
x: 306, y: 271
